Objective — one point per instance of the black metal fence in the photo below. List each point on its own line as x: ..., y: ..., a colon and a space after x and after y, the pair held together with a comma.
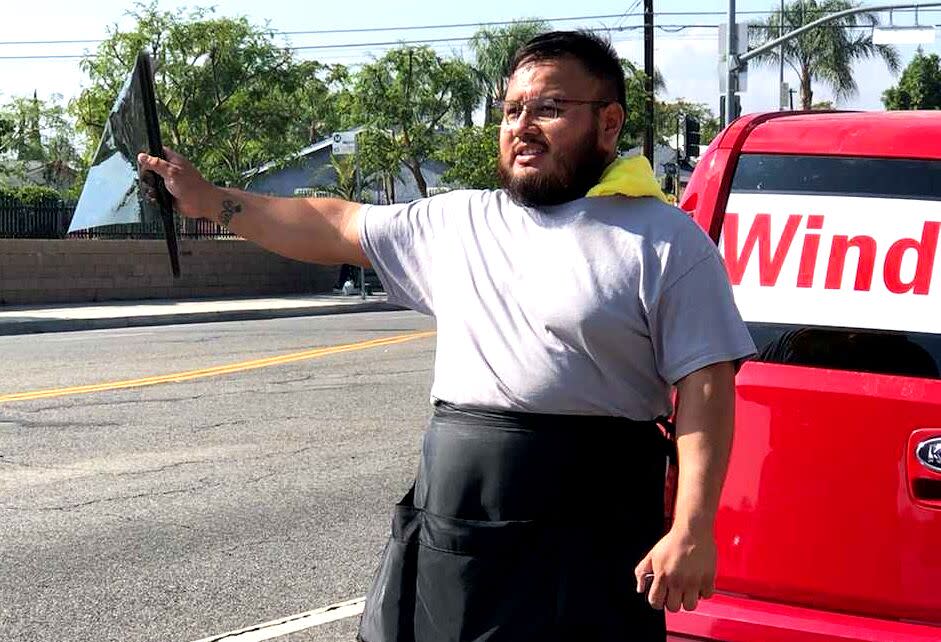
x: 50, y: 220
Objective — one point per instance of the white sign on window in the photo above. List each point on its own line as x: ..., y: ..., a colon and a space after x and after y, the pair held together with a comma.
x: 835, y: 260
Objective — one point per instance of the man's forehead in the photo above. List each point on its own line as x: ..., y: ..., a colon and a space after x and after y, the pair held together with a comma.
x: 562, y: 75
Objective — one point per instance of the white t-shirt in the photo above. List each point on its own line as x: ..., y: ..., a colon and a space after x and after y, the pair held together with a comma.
x: 593, y: 307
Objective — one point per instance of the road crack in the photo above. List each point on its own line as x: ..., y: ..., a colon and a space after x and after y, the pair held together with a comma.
x: 106, y: 500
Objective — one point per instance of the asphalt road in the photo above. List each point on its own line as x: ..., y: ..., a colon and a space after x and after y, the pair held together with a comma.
x: 180, y: 510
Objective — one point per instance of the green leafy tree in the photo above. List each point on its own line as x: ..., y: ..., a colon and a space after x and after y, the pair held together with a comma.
x: 669, y: 114
x: 38, y: 130
x: 34, y: 130
x: 381, y: 159
x: 635, y: 83
x: 228, y: 96
x: 826, y: 54
x: 405, y: 100
x: 494, y: 49
x: 472, y: 154
x: 29, y: 145
x: 919, y: 87
x: 7, y: 127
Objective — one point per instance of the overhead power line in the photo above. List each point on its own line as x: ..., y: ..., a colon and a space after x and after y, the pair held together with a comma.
x: 346, y: 45
x: 457, y: 25
x: 673, y: 29
x: 452, y: 25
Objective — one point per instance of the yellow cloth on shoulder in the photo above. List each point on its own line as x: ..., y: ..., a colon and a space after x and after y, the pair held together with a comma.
x: 629, y: 177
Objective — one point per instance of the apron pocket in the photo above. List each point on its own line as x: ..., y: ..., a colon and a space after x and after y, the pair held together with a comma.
x: 482, y: 580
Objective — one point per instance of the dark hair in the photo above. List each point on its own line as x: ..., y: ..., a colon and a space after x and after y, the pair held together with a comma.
x: 594, y: 52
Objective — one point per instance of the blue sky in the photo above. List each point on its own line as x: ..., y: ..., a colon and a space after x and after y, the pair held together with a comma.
x: 688, y: 59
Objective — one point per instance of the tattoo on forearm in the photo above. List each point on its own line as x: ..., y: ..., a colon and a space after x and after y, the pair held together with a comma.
x: 229, y: 209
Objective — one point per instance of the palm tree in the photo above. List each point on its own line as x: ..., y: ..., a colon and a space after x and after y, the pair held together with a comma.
x: 493, y: 51
x: 825, y: 54
x: 344, y: 185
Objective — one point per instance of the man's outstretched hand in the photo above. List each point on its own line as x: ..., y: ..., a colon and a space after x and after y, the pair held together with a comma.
x: 194, y: 196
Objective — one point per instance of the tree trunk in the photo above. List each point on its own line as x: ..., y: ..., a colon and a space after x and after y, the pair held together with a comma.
x: 415, y: 168
x: 388, y: 187
x: 488, y: 109
x: 807, y: 91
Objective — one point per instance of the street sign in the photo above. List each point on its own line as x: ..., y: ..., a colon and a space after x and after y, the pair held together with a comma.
x: 344, y: 143
x: 785, y: 96
x: 724, y: 76
x: 741, y: 44
x: 891, y: 35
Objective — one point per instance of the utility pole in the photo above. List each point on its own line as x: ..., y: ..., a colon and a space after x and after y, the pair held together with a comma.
x: 781, y: 60
x: 359, y: 198
x: 676, y: 179
x: 732, y: 78
x: 649, y: 71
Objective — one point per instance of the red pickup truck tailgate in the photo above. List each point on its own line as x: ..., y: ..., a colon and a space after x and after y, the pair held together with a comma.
x: 832, y: 507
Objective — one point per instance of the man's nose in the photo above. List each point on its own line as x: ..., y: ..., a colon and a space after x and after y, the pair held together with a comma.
x: 524, y: 123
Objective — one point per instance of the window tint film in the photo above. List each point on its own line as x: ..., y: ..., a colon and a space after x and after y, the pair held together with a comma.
x: 835, y: 261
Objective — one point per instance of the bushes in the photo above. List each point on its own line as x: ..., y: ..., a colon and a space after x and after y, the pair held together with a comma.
x: 33, y: 212
x: 30, y: 195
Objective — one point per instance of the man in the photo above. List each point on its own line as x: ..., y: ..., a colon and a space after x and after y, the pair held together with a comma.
x: 566, y: 312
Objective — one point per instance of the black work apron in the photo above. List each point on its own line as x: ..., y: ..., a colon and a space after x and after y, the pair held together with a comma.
x: 524, y: 528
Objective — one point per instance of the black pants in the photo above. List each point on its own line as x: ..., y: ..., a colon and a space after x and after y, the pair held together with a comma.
x: 523, y: 528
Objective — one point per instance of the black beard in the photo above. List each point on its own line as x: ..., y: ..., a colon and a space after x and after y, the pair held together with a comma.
x: 578, y: 172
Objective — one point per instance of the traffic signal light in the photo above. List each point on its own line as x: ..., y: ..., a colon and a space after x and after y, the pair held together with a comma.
x: 669, y: 184
x: 691, y: 136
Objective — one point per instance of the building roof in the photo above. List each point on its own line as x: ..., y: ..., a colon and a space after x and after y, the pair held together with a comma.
x: 306, y: 151
x: 54, y: 174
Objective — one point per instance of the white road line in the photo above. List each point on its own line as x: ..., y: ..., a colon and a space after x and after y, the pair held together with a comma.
x: 292, y: 623
x: 110, y: 334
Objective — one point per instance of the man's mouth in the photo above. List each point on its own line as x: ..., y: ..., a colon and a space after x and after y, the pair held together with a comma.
x: 529, y: 151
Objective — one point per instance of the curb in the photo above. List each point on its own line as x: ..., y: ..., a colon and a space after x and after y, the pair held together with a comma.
x: 75, y: 325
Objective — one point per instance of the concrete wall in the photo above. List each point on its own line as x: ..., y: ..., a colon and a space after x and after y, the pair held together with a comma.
x: 47, y: 271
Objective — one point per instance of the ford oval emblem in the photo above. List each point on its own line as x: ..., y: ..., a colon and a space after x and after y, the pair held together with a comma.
x: 929, y: 454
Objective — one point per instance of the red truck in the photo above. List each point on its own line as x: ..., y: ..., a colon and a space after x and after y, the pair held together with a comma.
x: 829, y: 527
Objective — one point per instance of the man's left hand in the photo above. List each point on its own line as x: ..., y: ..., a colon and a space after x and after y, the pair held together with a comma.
x: 683, y: 564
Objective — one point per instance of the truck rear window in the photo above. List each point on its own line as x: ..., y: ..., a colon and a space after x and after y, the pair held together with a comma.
x: 834, y: 261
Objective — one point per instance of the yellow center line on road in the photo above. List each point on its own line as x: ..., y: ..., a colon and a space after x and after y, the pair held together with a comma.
x: 231, y: 368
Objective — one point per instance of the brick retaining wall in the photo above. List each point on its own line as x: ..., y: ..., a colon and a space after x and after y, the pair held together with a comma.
x: 75, y: 271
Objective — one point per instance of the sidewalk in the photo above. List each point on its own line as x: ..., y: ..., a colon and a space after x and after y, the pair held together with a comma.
x: 70, y: 317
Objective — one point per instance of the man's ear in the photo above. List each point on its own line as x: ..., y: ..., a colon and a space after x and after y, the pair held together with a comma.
x: 612, y: 120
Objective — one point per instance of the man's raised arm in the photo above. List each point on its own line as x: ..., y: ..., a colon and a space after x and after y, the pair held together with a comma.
x: 316, y: 230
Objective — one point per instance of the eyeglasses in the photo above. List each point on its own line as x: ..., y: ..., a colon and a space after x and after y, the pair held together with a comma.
x: 540, y: 109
